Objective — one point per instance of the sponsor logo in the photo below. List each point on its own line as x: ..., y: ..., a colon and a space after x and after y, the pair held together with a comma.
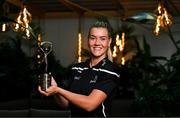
x: 77, y: 78
x: 94, y: 80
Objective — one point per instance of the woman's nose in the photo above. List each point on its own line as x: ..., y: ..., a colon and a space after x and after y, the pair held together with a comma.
x: 97, y: 41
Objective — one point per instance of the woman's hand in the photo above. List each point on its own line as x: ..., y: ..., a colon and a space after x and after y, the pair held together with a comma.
x: 53, y: 82
x: 51, y: 90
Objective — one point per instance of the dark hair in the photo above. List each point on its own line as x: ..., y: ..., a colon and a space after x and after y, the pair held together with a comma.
x: 102, y: 24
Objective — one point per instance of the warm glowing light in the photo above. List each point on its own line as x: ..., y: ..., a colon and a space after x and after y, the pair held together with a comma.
x: 39, y: 39
x: 122, y: 42
x: 119, y: 47
x: 38, y: 56
x: 19, y: 21
x: 117, y: 40
x: 114, y: 52
x: 163, y: 19
x: 79, y: 47
x: 157, y: 26
x: 3, y: 27
x: 168, y: 18
x: 24, y: 18
x: 123, y: 60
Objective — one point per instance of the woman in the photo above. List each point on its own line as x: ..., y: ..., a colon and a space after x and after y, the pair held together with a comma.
x: 93, y: 82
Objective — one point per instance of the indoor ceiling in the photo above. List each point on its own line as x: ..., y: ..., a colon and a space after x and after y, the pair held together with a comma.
x: 121, y: 8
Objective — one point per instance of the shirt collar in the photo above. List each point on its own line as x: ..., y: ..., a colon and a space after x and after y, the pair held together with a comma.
x: 101, y: 63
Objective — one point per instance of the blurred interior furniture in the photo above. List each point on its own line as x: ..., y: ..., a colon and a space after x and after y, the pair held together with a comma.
x: 43, y: 107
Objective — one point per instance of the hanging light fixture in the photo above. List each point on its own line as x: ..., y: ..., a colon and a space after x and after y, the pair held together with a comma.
x: 79, y: 47
x: 163, y: 19
x: 115, y: 51
x: 5, y: 11
x: 119, y: 47
x: 3, y: 27
x: 23, y: 20
x: 122, y: 42
x: 123, y: 60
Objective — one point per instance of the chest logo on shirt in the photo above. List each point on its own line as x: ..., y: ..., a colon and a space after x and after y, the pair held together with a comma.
x: 94, y: 79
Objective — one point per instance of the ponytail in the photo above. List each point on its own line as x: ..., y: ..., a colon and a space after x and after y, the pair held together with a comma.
x: 109, y: 54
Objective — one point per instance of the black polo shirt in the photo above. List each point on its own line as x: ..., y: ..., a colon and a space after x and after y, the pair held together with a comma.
x: 104, y: 76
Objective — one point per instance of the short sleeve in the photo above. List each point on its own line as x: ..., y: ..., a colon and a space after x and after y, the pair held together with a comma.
x: 106, y: 85
x: 66, y: 82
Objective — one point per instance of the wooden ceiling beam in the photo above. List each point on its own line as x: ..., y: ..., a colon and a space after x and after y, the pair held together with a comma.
x: 174, y: 7
x: 33, y: 9
x: 73, y: 6
x: 17, y: 3
x: 81, y: 10
x: 120, y: 8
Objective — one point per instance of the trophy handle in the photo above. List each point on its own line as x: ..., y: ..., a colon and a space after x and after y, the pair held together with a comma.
x: 45, y: 43
x: 46, y: 47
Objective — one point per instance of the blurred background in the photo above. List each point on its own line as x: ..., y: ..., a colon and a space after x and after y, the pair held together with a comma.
x: 145, y: 45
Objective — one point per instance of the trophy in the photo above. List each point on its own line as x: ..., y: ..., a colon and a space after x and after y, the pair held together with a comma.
x: 45, y: 78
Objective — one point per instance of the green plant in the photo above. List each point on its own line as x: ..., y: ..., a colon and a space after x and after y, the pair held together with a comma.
x: 19, y: 70
x: 155, y: 86
x: 15, y: 69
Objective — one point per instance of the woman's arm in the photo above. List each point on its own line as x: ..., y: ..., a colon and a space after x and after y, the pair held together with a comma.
x: 61, y: 101
x: 63, y: 97
x: 87, y: 103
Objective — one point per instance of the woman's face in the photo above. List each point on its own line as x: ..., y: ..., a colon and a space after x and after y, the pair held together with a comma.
x: 98, y: 41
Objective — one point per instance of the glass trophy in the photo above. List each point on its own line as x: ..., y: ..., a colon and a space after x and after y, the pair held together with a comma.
x: 45, y: 78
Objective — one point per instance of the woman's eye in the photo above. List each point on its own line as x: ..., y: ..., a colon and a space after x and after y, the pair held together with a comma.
x: 92, y: 38
x: 103, y: 39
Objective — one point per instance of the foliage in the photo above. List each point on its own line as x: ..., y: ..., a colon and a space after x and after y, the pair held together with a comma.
x: 156, y: 85
x: 19, y: 69
x: 15, y: 72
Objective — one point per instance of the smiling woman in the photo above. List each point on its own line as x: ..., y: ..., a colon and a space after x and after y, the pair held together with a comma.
x: 93, y: 83
x: 99, y: 42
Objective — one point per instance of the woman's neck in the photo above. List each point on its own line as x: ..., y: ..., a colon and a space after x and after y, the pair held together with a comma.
x: 94, y: 61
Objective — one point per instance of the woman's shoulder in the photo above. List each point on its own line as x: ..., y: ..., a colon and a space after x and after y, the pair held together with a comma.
x: 79, y: 65
x: 111, y: 66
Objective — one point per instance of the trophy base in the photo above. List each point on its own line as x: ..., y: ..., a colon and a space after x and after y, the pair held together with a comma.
x: 45, y: 81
